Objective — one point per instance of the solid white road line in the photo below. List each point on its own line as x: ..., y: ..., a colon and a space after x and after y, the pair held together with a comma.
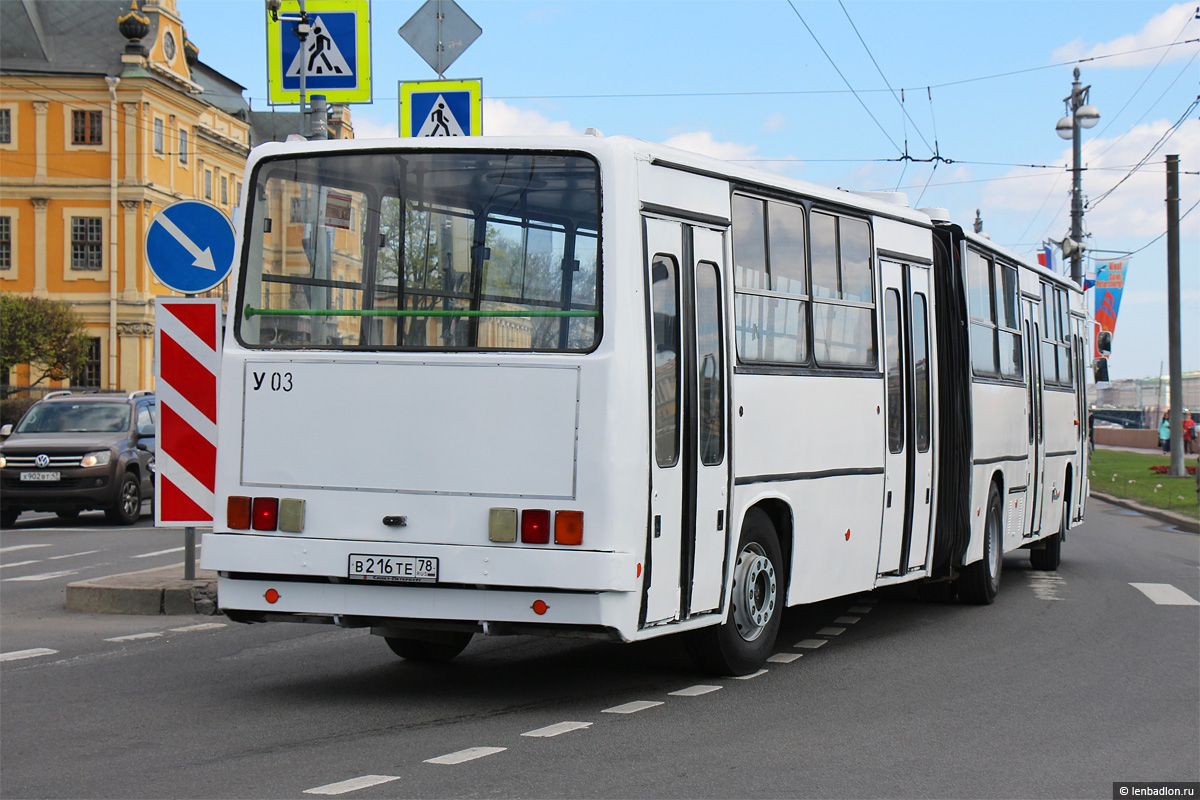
x: 16, y: 547
x: 470, y: 754
x: 632, y: 708
x: 45, y: 576
x: 811, y: 644
x: 341, y: 787
x: 17, y: 655
x: 1164, y: 594
x: 557, y: 729
x: 134, y: 637
x: 695, y: 691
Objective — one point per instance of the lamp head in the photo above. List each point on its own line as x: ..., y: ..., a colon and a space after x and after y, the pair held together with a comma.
x: 1065, y: 128
x: 1087, y: 115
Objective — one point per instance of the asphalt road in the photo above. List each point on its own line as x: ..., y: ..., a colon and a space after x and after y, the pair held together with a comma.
x: 1069, y: 682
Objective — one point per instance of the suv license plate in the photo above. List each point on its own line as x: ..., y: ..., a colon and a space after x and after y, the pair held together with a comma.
x: 40, y: 476
x: 402, y: 569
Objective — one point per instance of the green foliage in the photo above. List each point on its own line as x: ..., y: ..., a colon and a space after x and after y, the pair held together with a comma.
x: 1128, y: 475
x: 46, y: 334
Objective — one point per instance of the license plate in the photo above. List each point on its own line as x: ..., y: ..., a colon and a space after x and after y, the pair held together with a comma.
x: 40, y: 476
x: 401, y: 569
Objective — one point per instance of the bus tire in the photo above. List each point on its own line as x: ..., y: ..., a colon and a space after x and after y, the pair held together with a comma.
x: 440, y: 650
x: 1049, y: 555
x: 980, y: 581
x: 741, y: 645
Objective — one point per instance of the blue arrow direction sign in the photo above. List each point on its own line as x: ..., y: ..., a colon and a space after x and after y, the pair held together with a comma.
x: 190, y: 246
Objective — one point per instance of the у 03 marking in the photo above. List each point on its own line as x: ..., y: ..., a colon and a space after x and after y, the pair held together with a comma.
x: 280, y: 381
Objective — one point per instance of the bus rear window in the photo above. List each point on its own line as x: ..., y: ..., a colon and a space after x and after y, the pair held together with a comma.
x: 423, y: 251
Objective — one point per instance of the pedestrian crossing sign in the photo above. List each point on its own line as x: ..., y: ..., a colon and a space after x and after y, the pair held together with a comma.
x: 441, y: 108
x: 334, y: 56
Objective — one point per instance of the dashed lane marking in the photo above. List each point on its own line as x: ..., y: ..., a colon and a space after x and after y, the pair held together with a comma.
x: 19, y: 564
x: 341, y: 787
x: 751, y: 676
x: 784, y: 658
x: 847, y: 620
x: 859, y: 609
x: 695, y: 691
x: 204, y: 626
x: 1164, y: 594
x: 45, y: 576
x: 72, y: 555
x: 557, y: 729
x: 632, y: 708
x: 134, y: 637
x: 17, y: 655
x: 161, y: 552
x: 14, y: 548
x: 831, y: 631
x: 462, y: 756
x: 811, y: 644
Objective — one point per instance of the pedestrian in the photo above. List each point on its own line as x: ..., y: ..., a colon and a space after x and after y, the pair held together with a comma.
x: 1189, y: 434
x: 1164, y: 432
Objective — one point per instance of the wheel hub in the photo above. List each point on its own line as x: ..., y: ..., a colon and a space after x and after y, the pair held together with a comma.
x: 755, y: 590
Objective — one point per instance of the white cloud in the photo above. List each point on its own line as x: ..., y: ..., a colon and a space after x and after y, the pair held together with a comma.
x: 702, y: 142
x: 775, y: 122
x: 1177, y: 22
x: 502, y: 119
x: 1134, y: 209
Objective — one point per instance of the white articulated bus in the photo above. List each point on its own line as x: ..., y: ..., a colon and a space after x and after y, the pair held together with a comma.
x: 598, y: 387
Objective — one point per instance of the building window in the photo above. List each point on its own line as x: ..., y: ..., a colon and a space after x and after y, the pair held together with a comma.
x: 158, y: 136
x: 87, y: 127
x: 87, y: 243
x: 5, y: 126
x: 208, y: 184
x: 183, y: 146
x: 224, y: 190
x: 88, y: 376
x: 5, y: 242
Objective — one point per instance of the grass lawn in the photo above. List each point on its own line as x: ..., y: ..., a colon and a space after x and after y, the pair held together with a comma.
x: 1128, y: 475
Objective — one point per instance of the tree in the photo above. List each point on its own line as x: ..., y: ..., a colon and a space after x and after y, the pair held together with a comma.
x: 48, y: 335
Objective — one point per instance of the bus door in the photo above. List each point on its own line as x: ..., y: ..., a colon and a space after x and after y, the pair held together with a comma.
x: 688, y: 526
x: 908, y: 458
x: 1037, y: 451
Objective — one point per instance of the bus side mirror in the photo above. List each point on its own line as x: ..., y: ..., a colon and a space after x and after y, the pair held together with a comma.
x: 1100, y: 370
x: 1104, y: 342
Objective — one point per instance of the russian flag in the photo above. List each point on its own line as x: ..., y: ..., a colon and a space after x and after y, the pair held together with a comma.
x: 1046, y: 257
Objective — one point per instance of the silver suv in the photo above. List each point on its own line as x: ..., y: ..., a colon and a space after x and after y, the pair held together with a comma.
x: 72, y: 452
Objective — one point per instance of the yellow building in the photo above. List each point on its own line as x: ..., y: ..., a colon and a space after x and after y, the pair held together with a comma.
x: 107, y: 116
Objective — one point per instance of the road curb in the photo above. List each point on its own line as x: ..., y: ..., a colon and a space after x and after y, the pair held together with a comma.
x: 152, y: 591
x: 1187, y: 523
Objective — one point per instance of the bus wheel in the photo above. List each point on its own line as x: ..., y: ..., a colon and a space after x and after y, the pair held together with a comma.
x: 445, y: 647
x: 980, y: 581
x: 742, y: 644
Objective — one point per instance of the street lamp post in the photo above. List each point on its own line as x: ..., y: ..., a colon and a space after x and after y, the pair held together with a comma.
x: 1080, y: 114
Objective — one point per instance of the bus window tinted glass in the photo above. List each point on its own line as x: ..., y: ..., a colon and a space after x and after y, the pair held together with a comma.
x: 787, y: 248
x: 749, y: 247
x: 428, y: 251
x: 664, y: 296
x: 824, y: 256
x: 711, y: 377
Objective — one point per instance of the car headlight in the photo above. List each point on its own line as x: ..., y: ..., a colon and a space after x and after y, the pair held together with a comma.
x: 96, y: 459
x: 3, y: 461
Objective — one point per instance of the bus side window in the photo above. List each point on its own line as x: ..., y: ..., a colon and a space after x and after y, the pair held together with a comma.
x: 664, y: 295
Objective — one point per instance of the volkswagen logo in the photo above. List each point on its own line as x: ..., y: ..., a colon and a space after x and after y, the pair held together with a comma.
x: 42, y: 461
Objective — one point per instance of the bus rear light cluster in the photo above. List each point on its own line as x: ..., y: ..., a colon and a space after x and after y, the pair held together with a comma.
x: 533, y: 525
x: 265, y: 514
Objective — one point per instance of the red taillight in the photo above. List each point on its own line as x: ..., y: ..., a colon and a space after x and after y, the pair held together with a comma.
x: 535, y: 526
x: 568, y: 527
x: 237, y: 513
x: 265, y: 513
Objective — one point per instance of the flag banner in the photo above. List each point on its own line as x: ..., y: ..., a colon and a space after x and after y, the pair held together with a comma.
x: 1046, y: 258
x: 1110, y: 282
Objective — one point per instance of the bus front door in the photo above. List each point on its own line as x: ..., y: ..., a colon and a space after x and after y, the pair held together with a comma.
x: 1037, y: 452
x: 908, y: 461
x: 688, y: 522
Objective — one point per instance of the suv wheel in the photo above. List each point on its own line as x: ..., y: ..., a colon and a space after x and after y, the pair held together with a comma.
x: 128, y: 505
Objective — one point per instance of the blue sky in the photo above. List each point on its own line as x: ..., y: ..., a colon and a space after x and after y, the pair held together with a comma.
x: 770, y: 83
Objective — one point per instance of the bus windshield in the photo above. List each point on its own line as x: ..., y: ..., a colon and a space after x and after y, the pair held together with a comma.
x: 423, y: 251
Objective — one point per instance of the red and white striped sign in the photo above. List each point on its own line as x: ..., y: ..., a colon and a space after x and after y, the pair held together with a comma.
x: 187, y: 335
